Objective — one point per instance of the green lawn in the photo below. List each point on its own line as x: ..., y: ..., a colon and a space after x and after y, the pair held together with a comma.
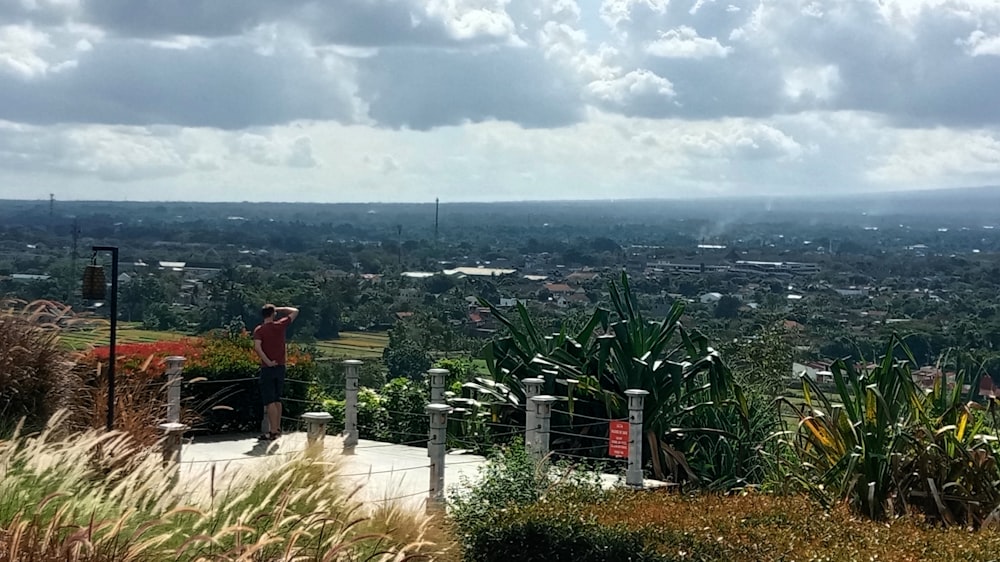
x: 354, y: 345
x: 351, y: 345
x: 79, y: 340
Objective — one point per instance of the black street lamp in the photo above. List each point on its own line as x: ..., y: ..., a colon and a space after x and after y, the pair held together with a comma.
x: 95, y: 288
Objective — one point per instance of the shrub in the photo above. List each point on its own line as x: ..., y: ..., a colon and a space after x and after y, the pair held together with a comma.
x: 405, y: 359
x: 221, y: 392
x: 223, y: 385
x: 887, y: 446
x: 511, y: 480
x: 395, y: 413
x: 663, y: 526
x: 538, y: 537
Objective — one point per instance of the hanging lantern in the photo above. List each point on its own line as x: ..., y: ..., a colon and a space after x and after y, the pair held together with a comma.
x: 94, y: 285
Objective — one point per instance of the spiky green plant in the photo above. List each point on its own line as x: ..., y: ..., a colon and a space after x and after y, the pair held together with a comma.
x: 616, y: 351
x: 885, y: 445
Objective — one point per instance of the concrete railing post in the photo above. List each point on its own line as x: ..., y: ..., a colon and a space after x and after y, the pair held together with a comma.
x: 543, y: 424
x: 636, y: 403
x: 438, y: 378
x: 437, y: 437
x: 173, y: 429
x: 532, y: 388
x: 351, y: 377
x: 316, y: 427
x: 175, y: 374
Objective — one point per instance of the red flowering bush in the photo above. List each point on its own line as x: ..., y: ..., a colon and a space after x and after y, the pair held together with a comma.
x: 220, y: 390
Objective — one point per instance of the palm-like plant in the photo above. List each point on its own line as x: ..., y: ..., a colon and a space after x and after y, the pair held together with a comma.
x: 850, y: 447
x: 616, y: 351
x: 887, y: 445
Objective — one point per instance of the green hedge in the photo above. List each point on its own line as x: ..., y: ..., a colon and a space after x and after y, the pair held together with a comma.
x: 538, y: 537
x: 655, y: 526
x: 223, y: 388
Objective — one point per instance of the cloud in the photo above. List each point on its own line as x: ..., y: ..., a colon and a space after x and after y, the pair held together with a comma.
x: 114, y: 154
x: 684, y: 43
x: 404, y: 99
x: 423, y: 88
x: 226, y: 84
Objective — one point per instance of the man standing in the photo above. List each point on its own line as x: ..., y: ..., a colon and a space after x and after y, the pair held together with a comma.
x: 269, y: 343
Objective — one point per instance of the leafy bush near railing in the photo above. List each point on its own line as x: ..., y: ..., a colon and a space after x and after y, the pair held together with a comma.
x: 220, y: 393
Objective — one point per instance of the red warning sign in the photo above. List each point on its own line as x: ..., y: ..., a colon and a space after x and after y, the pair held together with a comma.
x: 618, y: 444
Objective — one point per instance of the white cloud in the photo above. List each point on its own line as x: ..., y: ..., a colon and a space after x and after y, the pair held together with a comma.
x: 979, y: 43
x: 495, y: 99
x: 684, y: 43
x: 623, y: 91
x: 19, y: 46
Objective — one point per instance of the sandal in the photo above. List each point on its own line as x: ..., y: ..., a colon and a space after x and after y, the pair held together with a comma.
x: 266, y: 437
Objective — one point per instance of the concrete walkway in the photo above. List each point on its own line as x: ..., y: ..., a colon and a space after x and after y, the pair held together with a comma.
x: 383, y: 472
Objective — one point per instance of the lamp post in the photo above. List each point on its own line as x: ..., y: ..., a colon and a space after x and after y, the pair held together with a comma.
x: 95, y: 288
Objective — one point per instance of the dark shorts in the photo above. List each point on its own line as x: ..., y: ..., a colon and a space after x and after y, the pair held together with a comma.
x: 272, y: 382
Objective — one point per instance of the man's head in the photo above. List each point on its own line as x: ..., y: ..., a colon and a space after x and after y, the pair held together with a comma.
x: 267, y: 312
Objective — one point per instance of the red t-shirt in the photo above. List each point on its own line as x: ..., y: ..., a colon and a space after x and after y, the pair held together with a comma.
x: 272, y: 339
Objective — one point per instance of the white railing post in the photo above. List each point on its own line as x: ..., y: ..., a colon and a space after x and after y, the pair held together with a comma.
x: 173, y: 429
x: 437, y: 438
x: 532, y: 388
x: 175, y: 374
x: 351, y: 376
x: 438, y: 378
x: 636, y: 403
x: 316, y: 427
x: 543, y: 420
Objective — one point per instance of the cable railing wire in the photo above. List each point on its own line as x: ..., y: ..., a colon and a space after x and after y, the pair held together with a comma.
x: 385, y: 471
x: 580, y: 436
x: 586, y: 458
x: 586, y: 417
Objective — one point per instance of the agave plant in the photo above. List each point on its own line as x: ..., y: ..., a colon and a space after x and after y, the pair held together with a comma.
x: 850, y: 447
x: 616, y: 351
x: 952, y: 472
x: 887, y: 445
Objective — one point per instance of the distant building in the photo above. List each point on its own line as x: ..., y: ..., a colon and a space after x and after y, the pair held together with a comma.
x: 417, y: 274
x: 778, y: 266
x: 479, y: 271
x: 559, y: 288
x: 28, y: 277
x: 709, y: 298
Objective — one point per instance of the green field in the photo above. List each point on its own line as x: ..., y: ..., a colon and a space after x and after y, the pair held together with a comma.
x: 354, y: 345
x: 79, y: 340
x: 350, y: 345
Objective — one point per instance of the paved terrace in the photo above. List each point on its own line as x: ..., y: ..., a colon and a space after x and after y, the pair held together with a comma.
x: 382, y: 472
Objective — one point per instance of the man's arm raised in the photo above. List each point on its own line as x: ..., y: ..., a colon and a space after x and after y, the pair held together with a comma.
x: 291, y: 311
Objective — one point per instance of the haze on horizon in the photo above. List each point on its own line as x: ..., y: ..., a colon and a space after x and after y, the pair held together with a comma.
x: 493, y: 100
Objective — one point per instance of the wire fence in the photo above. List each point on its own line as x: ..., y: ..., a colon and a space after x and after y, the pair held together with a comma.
x: 474, y: 427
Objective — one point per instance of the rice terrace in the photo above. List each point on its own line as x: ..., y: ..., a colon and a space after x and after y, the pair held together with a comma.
x: 350, y: 345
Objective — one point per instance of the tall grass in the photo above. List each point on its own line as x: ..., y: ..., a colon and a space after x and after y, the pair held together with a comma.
x: 100, y: 497
x: 36, y: 376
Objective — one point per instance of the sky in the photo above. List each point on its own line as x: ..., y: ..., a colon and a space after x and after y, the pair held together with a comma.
x: 487, y: 100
